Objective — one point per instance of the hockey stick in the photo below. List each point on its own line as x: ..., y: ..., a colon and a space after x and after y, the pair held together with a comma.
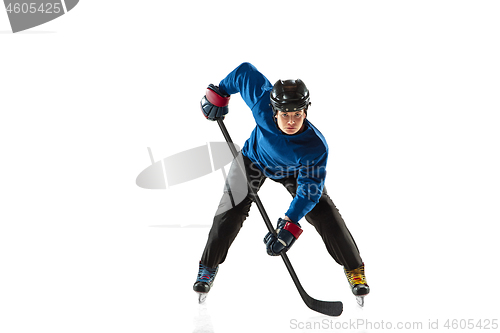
x: 324, y: 307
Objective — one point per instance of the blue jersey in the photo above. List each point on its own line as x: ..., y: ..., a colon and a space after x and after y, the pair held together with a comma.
x: 276, y: 154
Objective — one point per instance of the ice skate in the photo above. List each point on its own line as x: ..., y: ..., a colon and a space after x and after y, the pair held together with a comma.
x: 357, y: 281
x: 204, y: 282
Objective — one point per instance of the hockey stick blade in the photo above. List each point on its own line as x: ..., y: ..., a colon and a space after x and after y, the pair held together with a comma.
x: 325, y: 307
x: 329, y: 308
x: 333, y: 309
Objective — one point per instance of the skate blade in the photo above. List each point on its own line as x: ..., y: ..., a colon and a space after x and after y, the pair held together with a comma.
x: 202, y: 297
x: 360, y: 300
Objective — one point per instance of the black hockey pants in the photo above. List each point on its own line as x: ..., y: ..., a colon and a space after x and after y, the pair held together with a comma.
x: 235, y: 205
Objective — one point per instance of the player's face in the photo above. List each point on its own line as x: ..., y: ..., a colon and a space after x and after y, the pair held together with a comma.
x: 291, y: 122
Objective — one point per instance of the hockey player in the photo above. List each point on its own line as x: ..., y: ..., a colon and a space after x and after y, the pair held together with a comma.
x: 284, y: 147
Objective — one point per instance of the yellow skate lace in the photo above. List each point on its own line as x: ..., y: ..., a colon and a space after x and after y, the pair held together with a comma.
x: 356, y: 276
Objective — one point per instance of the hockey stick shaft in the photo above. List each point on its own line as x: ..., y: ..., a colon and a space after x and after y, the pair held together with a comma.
x: 328, y: 308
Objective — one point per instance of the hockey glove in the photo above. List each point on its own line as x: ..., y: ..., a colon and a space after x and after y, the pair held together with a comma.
x: 287, y: 232
x: 214, y: 103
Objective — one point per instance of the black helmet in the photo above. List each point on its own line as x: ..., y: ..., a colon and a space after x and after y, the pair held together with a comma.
x: 289, y: 96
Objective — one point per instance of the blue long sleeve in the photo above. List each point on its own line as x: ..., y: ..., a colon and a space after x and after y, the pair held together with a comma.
x: 247, y: 81
x: 276, y: 154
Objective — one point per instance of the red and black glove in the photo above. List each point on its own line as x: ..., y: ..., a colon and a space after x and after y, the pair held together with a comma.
x: 287, y: 233
x: 214, y: 103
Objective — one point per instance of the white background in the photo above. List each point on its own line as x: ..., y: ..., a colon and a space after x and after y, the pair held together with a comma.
x: 405, y: 92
